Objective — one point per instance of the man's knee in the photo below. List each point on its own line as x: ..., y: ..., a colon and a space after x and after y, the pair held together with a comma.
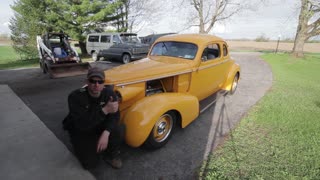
x: 118, y: 132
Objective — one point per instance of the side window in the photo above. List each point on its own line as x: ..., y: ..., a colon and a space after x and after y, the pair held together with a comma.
x: 105, y: 39
x: 225, y: 50
x: 93, y: 39
x: 116, y: 39
x: 212, y: 51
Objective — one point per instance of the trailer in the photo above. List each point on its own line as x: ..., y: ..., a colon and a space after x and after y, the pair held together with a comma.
x: 58, y: 58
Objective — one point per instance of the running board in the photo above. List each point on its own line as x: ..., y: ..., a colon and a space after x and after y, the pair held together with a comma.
x: 209, y: 101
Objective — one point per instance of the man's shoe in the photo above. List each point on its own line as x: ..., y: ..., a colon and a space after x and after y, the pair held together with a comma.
x: 115, y: 163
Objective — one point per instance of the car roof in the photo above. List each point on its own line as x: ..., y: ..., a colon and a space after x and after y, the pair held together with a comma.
x: 193, y: 38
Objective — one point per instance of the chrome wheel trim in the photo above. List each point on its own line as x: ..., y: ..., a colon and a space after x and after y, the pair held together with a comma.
x: 235, y: 84
x: 94, y: 56
x: 162, y: 128
x: 126, y: 59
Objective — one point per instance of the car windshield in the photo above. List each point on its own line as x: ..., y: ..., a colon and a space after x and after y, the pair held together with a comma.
x: 129, y: 38
x: 175, y: 49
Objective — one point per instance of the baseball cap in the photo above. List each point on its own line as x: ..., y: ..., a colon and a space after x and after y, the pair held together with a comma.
x: 95, y: 72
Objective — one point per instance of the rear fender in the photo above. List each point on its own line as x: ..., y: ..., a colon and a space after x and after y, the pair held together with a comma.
x: 233, y: 71
x: 141, y: 117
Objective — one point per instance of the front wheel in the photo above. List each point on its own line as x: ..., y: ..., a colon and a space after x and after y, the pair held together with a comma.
x: 234, y: 84
x: 161, y: 131
x: 42, y: 67
x: 126, y: 58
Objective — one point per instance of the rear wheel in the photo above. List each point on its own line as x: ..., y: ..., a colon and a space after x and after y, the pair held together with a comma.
x: 126, y: 58
x: 95, y: 56
x: 234, y: 84
x: 161, y: 131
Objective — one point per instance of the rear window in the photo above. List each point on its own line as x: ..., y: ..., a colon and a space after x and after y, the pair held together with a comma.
x: 93, y: 39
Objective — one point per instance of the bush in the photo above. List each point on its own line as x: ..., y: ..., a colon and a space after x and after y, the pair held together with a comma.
x: 262, y: 38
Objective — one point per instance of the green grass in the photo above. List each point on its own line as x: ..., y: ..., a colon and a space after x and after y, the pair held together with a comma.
x: 280, y: 137
x: 9, y: 59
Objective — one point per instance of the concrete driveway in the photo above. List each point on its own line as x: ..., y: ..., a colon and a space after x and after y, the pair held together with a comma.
x: 182, y: 157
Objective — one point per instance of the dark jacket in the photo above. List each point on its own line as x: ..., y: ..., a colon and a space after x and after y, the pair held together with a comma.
x: 85, y: 111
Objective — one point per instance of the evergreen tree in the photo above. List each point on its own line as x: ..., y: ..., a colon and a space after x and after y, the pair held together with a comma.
x: 79, y: 17
x: 75, y: 17
x: 27, y: 23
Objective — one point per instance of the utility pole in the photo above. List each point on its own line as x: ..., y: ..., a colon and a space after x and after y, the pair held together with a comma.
x: 279, y: 37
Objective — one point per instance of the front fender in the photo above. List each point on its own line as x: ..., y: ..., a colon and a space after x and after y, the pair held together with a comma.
x: 233, y: 71
x: 141, y: 116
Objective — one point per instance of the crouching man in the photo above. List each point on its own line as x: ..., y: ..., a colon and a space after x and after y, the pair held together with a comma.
x: 93, y: 122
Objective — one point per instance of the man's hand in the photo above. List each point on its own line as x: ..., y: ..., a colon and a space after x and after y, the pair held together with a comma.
x: 111, y: 107
x: 103, y: 141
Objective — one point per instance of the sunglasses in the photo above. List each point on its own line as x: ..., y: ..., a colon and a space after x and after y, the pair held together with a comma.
x: 96, y: 81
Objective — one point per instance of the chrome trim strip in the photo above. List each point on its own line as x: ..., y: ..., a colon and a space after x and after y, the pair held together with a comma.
x: 133, y: 82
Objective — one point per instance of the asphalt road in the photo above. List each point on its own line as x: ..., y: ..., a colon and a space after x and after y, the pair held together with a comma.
x: 182, y: 157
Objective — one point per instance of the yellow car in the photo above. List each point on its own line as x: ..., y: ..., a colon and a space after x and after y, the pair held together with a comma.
x: 172, y: 86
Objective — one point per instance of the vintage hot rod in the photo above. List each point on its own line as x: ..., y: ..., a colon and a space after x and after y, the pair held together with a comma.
x: 171, y: 87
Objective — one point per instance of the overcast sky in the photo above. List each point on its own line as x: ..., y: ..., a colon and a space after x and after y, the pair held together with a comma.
x: 277, y: 17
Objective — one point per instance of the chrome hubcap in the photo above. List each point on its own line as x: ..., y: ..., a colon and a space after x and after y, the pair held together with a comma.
x: 162, y: 128
x: 94, y: 56
x: 126, y: 59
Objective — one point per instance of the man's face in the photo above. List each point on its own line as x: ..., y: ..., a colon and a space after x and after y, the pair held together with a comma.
x: 95, y: 86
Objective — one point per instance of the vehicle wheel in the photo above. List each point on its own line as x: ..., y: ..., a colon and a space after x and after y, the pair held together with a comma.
x: 161, y: 131
x: 126, y: 58
x: 234, y: 84
x: 95, y: 56
x: 45, y: 68
x: 42, y: 67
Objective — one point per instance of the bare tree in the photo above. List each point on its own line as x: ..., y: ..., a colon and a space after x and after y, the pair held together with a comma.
x: 139, y: 13
x: 208, y: 12
x: 308, y: 25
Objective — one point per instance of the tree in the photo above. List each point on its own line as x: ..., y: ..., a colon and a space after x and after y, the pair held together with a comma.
x: 75, y: 17
x: 27, y: 23
x: 78, y: 17
x: 207, y: 12
x: 137, y: 14
x: 308, y: 25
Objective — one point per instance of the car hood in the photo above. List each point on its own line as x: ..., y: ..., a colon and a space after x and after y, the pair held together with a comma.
x: 146, y: 69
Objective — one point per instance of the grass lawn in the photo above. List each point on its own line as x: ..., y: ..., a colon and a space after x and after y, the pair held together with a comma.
x: 9, y: 59
x: 280, y: 137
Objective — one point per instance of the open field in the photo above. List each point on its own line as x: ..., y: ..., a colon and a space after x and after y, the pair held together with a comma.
x: 271, y: 46
x: 278, y: 139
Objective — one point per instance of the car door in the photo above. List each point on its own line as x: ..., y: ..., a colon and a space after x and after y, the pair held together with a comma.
x: 208, y: 78
x: 226, y: 63
x: 115, y: 49
x: 104, y: 45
